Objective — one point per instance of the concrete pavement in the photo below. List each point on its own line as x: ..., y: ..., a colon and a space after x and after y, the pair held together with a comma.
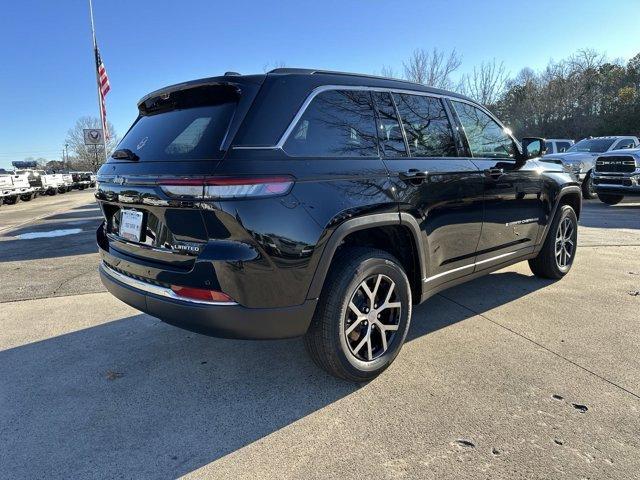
x: 507, y: 377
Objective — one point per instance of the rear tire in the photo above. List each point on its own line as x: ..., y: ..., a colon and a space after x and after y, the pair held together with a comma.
x: 345, y: 337
x: 588, y: 190
x: 559, y: 249
x: 610, y: 199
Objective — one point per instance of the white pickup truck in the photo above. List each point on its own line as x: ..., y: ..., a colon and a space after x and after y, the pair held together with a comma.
x: 41, y: 181
x: 14, y: 186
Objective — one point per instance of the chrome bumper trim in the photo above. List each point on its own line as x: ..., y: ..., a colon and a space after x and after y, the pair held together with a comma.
x: 154, y: 289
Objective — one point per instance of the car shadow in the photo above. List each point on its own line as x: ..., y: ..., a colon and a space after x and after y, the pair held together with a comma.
x: 596, y: 214
x: 135, y: 397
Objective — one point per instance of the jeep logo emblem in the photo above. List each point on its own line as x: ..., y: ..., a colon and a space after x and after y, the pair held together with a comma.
x: 118, y: 180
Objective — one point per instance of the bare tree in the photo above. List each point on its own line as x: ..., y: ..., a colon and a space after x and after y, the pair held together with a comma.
x: 88, y: 156
x: 432, y: 68
x: 388, y: 72
x: 273, y: 65
x: 485, y: 83
x: 586, y: 59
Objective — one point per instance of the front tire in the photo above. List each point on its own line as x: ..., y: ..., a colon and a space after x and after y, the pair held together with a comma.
x: 588, y: 189
x: 559, y: 249
x: 610, y: 199
x: 363, y: 315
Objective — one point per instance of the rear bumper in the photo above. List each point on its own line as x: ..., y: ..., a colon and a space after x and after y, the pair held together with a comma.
x: 221, y: 320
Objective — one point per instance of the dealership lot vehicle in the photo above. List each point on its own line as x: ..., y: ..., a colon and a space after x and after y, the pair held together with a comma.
x: 580, y: 158
x: 617, y: 175
x: 501, y: 360
x: 321, y: 204
x: 557, y: 145
x: 15, y: 186
x: 81, y: 180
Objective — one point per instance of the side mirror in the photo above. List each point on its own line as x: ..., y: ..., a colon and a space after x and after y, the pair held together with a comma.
x: 533, y: 147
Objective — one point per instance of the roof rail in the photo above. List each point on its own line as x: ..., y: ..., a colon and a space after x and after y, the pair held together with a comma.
x: 293, y: 70
x: 311, y: 71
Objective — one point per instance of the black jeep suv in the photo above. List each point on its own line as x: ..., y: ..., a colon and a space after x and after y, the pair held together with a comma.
x: 322, y: 204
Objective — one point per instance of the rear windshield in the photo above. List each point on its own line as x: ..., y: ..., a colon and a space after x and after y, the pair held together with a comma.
x: 184, y: 126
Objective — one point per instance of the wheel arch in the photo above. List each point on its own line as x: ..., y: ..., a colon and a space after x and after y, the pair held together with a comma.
x: 568, y: 195
x: 380, y: 231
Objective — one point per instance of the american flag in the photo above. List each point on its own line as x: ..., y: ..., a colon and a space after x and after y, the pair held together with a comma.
x: 104, y: 87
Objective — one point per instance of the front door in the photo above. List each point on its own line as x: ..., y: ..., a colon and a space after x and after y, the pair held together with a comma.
x: 442, y: 191
x: 513, y: 201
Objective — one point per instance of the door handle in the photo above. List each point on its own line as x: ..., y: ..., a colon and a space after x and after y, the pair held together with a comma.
x: 414, y: 175
x: 494, y: 172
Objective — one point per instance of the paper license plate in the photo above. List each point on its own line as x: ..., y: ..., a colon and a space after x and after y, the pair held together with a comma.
x: 131, y: 224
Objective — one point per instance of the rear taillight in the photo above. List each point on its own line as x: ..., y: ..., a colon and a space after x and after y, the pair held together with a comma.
x: 201, y: 294
x: 211, y: 188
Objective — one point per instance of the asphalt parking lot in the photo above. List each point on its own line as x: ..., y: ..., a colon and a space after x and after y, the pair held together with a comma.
x: 508, y: 376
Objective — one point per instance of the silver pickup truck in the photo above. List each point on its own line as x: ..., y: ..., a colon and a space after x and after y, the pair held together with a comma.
x: 581, y: 157
x: 617, y: 175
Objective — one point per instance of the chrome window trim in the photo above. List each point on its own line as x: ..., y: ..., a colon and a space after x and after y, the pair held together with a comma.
x: 324, y: 88
x: 155, y: 289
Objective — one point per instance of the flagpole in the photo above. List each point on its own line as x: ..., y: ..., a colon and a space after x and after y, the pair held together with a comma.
x: 95, y: 56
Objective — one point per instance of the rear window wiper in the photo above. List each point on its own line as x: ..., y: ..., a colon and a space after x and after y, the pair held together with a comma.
x: 125, y: 154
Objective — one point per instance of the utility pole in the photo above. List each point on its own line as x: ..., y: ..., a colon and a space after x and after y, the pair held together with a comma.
x: 66, y: 153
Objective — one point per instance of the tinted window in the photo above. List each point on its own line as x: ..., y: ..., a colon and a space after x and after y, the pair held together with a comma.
x: 563, y: 146
x: 389, y: 131
x: 190, y: 126
x: 336, y: 124
x: 593, y: 145
x: 426, y: 125
x: 486, y: 138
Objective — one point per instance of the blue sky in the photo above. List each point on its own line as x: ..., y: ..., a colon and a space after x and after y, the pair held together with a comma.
x: 47, y: 78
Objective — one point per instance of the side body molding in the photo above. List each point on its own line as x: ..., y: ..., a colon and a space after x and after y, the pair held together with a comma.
x: 362, y: 223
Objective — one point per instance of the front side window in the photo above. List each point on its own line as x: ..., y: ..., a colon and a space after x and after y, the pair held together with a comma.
x: 337, y: 123
x: 486, y: 138
x: 563, y: 146
x: 389, y: 131
x: 426, y: 125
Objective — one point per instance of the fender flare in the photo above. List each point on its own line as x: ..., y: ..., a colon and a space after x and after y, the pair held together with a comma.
x: 363, y: 223
x: 564, y: 191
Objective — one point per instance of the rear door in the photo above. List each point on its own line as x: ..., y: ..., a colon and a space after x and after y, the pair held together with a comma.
x: 513, y: 200
x: 437, y: 187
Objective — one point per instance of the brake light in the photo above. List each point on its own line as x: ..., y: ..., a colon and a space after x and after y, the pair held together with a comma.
x: 226, y: 187
x: 201, y: 294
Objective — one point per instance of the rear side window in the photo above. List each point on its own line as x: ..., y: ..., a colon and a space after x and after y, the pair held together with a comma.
x: 337, y: 123
x: 426, y: 125
x: 191, y: 126
x: 487, y: 139
x: 389, y: 131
